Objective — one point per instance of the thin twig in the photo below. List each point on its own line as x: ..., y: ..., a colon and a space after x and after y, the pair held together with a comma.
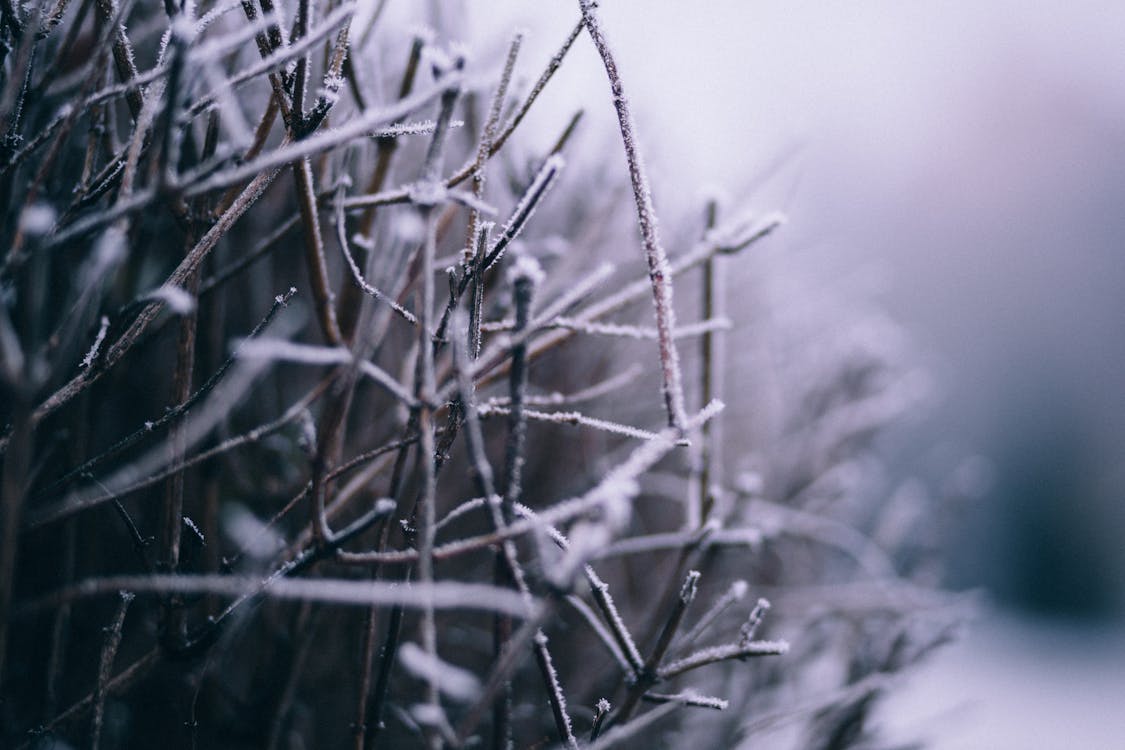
x: 521, y: 214
x: 625, y: 732
x: 109, y: 652
x: 63, y: 509
x: 525, y: 276
x: 600, y: 713
x: 385, y: 150
x: 571, y: 417
x: 402, y: 195
x: 488, y: 135
x: 508, y: 560
x: 125, y: 342
x: 315, y: 262
x: 648, y: 673
x: 716, y: 654
x: 658, y: 270
x: 733, y: 594
x: 425, y: 385
x: 174, y: 413
x: 436, y: 595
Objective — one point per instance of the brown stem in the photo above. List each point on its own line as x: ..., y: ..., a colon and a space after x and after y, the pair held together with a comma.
x: 658, y: 270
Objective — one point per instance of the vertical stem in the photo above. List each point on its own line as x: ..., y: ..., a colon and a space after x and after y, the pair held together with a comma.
x: 374, y: 723
x: 314, y: 253
x: 424, y: 392
x: 488, y: 134
x: 699, y: 486
x: 648, y: 675
x: 501, y: 632
x: 109, y: 651
x: 507, y: 572
x: 122, y: 55
x: 306, y: 630
x: 383, y: 679
x: 425, y: 385
x: 658, y: 270
x: 709, y: 377
x: 523, y: 286
x: 600, y: 714
x: 525, y: 275
x: 60, y: 628
x: 351, y: 295
x: 17, y: 463
x: 476, y: 291
x: 367, y: 649
x: 301, y: 79
x: 174, y: 489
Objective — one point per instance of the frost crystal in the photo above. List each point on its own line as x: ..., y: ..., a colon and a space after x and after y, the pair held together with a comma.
x: 191, y: 525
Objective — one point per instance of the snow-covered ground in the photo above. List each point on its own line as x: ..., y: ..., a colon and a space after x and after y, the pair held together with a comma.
x: 1016, y: 683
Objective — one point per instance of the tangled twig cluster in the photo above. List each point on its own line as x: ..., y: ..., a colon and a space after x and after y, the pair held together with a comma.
x: 324, y: 544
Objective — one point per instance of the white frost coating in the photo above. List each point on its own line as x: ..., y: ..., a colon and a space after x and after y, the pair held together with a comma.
x: 184, y: 29
x: 743, y: 230
x: 441, y: 595
x: 38, y: 219
x: 658, y: 269
x: 690, y: 698
x: 543, y: 181
x: 423, y: 33
x: 526, y: 267
x: 178, y: 300
x: 359, y: 124
x: 329, y: 90
x: 408, y: 228
x: 734, y: 593
x: 750, y: 627
x: 195, y: 529
x: 288, y: 351
x: 358, y: 277
x: 459, y: 50
x: 617, y: 502
x: 110, y: 248
x: 555, y: 687
x: 420, y: 127
x: 527, y: 204
x: 437, y: 58
x: 574, y: 418
x: 459, y: 684
x: 256, y: 540
x: 307, y: 439
x: 88, y: 360
x: 638, y: 332
x: 429, y: 715
x: 586, y: 538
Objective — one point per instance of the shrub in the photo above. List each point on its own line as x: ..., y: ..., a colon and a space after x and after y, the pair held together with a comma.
x: 314, y: 441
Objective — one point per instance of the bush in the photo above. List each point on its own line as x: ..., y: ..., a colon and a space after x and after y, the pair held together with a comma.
x: 312, y: 441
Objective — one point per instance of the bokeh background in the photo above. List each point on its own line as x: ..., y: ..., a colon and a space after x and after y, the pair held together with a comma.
x: 957, y: 167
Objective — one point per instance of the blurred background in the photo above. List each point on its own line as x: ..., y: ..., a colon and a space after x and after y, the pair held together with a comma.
x: 955, y: 167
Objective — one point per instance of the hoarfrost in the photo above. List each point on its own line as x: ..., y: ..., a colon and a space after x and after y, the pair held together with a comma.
x: 38, y: 219
x: 178, y: 300
x: 457, y: 683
